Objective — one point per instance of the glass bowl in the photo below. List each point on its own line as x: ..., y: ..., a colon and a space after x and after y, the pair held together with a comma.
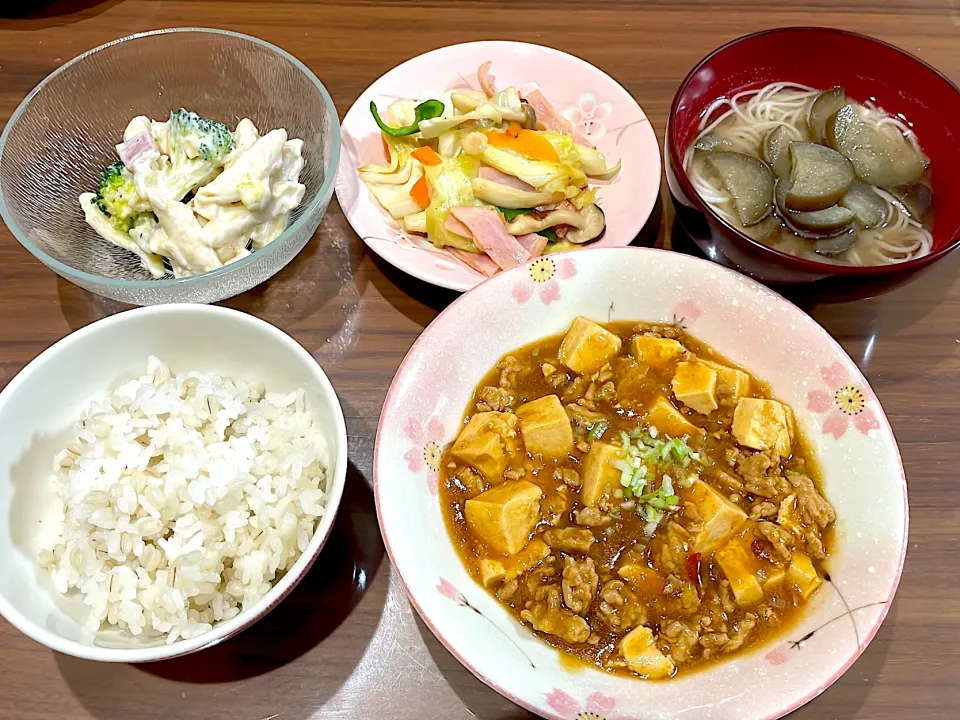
x: 869, y: 69
x: 65, y: 131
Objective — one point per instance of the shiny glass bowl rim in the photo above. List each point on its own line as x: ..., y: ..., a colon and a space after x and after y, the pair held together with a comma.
x: 332, y: 162
x: 672, y: 154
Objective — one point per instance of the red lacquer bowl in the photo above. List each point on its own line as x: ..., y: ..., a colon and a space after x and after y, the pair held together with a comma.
x: 820, y: 57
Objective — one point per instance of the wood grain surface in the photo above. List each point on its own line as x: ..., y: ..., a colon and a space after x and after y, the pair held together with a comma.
x: 346, y: 643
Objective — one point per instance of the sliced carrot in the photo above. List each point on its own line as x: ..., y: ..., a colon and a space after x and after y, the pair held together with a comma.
x: 427, y: 156
x: 514, y: 130
x: 421, y: 193
x: 386, y: 146
x: 528, y: 143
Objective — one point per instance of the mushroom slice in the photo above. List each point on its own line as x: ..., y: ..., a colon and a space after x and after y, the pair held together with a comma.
x: 592, y: 229
x: 748, y: 181
x: 819, y: 177
x: 505, y: 196
x: 533, y: 222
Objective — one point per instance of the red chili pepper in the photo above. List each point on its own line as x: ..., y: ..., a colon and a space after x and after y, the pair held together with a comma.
x: 693, y: 567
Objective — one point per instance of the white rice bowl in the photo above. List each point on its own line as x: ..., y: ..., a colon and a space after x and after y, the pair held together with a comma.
x: 184, y: 498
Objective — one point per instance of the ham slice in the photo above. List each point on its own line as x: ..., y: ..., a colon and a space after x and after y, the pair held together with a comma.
x: 491, y: 236
x: 501, y: 178
x: 533, y: 243
x: 481, y: 263
x: 457, y: 227
x: 486, y: 84
x: 140, y: 146
x: 548, y: 116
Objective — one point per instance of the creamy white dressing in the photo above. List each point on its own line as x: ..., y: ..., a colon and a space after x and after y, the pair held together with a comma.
x: 239, y: 205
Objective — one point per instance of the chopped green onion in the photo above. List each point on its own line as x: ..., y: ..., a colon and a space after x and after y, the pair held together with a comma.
x: 549, y: 234
x: 672, y: 500
x: 598, y: 429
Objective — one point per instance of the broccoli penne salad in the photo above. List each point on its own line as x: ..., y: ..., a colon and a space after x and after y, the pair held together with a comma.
x: 188, y: 196
x: 495, y: 177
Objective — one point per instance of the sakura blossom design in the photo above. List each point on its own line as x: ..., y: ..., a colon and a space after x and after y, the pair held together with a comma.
x: 449, y: 591
x: 597, y: 706
x: 545, y: 273
x: 841, y: 403
x: 587, y: 116
x: 427, y: 448
x: 686, y: 311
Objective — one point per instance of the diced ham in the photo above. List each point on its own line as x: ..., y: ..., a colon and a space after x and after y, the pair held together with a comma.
x: 490, y: 235
x: 457, y: 227
x: 533, y: 243
x: 502, y: 178
x: 548, y: 116
x: 140, y: 147
x: 486, y: 84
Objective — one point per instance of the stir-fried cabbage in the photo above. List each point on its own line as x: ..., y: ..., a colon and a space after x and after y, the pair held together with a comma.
x: 449, y: 184
x: 547, y: 176
x: 505, y: 106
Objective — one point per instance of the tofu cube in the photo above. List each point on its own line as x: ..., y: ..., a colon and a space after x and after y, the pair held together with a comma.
x: 545, y: 427
x: 503, y: 517
x: 738, y: 380
x: 642, y: 656
x: 773, y: 581
x: 737, y: 565
x: 668, y: 420
x: 587, y: 346
x: 487, y: 443
x: 492, y: 572
x: 598, y: 476
x: 657, y: 352
x: 527, y: 559
x: 695, y: 385
x: 763, y: 425
x: 803, y: 575
x: 721, y: 518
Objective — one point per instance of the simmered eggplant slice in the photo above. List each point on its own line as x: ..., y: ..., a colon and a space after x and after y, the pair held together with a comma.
x: 815, y: 224
x: 776, y: 151
x: 712, y: 143
x: 748, y: 181
x: 766, y: 231
x: 917, y: 199
x: 827, y: 103
x: 870, y: 208
x: 880, y: 156
x: 836, y: 244
x: 819, y: 177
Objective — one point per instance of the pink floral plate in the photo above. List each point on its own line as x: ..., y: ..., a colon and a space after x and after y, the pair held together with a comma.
x: 593, y: 101
x: 748, y: 323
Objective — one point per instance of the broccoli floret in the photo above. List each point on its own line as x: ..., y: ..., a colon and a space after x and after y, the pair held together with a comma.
x: 114, y: 196
x: 191, y: 134
x: 198, y: 149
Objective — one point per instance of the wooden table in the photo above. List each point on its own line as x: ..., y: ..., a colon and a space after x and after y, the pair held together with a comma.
x: 347, y: 643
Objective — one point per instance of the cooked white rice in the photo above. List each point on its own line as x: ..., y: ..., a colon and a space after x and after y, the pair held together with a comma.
x: 185, y: 498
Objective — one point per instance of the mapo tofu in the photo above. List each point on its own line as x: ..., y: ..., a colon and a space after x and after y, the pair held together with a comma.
x: 637, y: 500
